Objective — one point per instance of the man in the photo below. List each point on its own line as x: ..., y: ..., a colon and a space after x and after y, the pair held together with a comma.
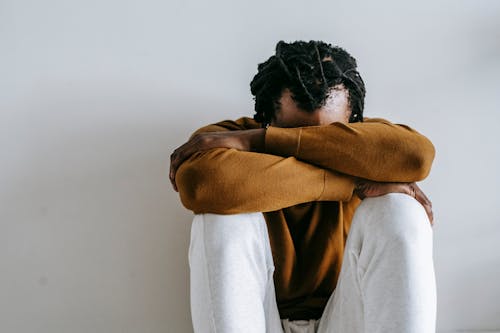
x: 308, y: 218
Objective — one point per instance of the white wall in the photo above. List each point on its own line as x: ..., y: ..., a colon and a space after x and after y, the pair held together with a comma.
x: 94, y: 95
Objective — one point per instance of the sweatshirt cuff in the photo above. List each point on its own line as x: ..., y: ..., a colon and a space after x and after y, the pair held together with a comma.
x: 338, y: 187
x: 282, y: 141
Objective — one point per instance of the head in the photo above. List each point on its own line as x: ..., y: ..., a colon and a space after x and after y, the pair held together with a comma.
x: 308, y: 83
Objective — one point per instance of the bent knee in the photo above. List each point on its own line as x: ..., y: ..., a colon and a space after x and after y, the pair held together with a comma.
x: 217, y: 224
x: 395, y: 216
x: 221, y: 232
x: 231, y: 240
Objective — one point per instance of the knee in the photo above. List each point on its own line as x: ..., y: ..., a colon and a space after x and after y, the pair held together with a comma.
x: 230, y: 226
x: 224, y: 232
x: 231, y: 240
x: 394, y: 217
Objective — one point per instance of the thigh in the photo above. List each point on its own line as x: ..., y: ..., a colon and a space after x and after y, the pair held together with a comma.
x: 386, y: 283
x: 231, y: 274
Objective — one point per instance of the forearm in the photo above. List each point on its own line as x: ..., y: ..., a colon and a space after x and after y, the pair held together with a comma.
x: 376, y: 150
x: 227, y: 181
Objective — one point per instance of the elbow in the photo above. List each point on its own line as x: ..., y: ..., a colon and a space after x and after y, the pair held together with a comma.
x: 421, y: 160
x: 191, y: 182
x: 202, y: 188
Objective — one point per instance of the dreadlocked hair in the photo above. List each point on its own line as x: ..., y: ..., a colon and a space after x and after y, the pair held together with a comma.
x: 310, y: 70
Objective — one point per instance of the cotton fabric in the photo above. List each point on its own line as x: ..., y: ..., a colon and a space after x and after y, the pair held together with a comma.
x: 386, y: 283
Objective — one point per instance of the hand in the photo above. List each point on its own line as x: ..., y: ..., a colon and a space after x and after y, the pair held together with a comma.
x: 366, y: 188
x: 244, y: 140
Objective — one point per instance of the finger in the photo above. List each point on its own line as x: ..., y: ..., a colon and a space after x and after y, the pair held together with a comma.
x: 174, y: 185
x: 428, y: 210
x: 172, y: 173
x: 175, y: 162
x: 427, y: 202
x: 420, y: 198
x: 178, y: 156
x: 423, y: 194
x: 428, y: 206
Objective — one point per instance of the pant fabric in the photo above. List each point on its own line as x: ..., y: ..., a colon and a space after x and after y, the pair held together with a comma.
x: 386, y: 284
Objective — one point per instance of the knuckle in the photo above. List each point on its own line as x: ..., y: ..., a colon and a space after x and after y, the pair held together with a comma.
x: 198, y: 137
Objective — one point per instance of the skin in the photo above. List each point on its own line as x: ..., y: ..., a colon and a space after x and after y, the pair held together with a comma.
x: 336, y: 109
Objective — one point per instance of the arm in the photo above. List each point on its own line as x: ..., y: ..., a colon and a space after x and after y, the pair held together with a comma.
x: 228, y: 181
x: 375, y: 149
x: 245, y: 135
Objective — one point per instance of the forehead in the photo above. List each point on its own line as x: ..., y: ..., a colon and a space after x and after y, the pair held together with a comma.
x: 338, y: 97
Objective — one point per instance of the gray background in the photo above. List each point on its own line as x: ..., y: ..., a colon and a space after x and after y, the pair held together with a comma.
x: 94, y: 96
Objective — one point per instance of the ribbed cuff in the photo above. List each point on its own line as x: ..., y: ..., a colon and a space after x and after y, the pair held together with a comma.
x: 338, y: 187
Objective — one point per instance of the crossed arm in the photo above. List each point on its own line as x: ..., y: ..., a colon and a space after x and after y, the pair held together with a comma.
x: 235, y: 166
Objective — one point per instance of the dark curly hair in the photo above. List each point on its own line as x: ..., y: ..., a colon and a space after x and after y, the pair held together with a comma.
x: 309, y: 70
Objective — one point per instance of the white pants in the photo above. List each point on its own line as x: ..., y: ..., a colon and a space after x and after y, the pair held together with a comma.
x: 386, y: 284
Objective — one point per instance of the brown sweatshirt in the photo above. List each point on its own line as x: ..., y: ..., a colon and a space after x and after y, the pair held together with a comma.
x: 303, y: 183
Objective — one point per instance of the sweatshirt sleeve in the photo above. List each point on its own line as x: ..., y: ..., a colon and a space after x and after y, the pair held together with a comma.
x: 228, y: 181
x: 375, y: 149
